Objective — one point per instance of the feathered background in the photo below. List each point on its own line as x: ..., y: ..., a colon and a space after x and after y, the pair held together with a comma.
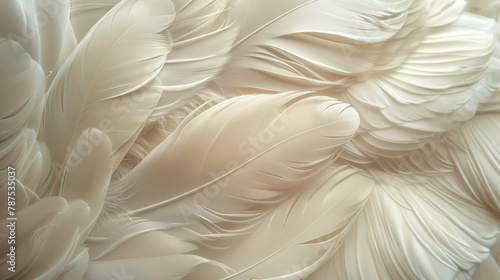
x: 251, y: 139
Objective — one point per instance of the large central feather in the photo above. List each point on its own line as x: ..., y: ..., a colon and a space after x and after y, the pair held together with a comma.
x: 267, y: 145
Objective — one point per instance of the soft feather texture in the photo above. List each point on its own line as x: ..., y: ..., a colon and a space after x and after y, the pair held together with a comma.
x: 400, y: 225
x: 122, y: 241
x: 217, y: 139
x: 280, y: 50
x: 21, y: 88
x: 309, y: 227
x: 84, y: 14
x: 189, y: 68
x: 429, y: 93
x: 57, y: 39
x: 64, y: 223
x: 187, y: 72
x: 133, y: 56
x: 19, y: 23
x: 280, y: 128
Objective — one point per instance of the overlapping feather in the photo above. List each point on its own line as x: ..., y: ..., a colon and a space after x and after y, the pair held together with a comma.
x: 428, y: 94
x: 308, y: 228
x: 57, y: 39
x: 123, y: 52
x: 313, y: 45
x: 374, y: 156
x: 227, y: 163
x: 410, y: 230
x: 21, y: 89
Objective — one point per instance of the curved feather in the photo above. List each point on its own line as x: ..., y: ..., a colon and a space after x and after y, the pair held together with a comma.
x: 57, y: 39
x: 33, y: 217
x: 189, y: 67
x: 436, y: 89
x: 86, y: 13
x: 158, y: 268
x: 21, y: 90
x: 407, y: 230
x: 85, y: 195
x: 18, y: 22
x: 117, y: 238
x: 307, y: 229
x: 237, y: 158
x: 140, y: 248
x: 76, y: 268
x: 475, y: 151
x: 87, y: 174
x: 59, y: 243
x: 318, y: 44
x: 123, y: 52
x: 47, y: 250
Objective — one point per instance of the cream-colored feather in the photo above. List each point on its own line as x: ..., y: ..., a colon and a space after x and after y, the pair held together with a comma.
x: 226, y: 162
x: 57, y: 39
x: 21, y: 89
x: 250, y: 139
x: 113, y: 68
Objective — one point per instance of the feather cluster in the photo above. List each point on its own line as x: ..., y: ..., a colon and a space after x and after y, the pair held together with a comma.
x: 251, y: 139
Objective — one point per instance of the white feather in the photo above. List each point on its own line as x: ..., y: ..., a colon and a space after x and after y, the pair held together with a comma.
x: 123, y: 52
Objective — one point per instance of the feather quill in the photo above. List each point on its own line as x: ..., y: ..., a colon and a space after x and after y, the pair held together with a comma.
x: 86, y: 13
x: 230, y: 155
x: 307, y: 228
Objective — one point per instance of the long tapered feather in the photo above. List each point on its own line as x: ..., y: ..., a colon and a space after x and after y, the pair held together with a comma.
x: 123, y: 245
x: 361, y: 144
x: 88, y: 173
x: 291, y: 147
x: 122, y: 52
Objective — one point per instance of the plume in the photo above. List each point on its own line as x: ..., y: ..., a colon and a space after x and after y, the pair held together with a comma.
x: 218, y: 139
x: 115, y: 65
x: 236, y: 175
